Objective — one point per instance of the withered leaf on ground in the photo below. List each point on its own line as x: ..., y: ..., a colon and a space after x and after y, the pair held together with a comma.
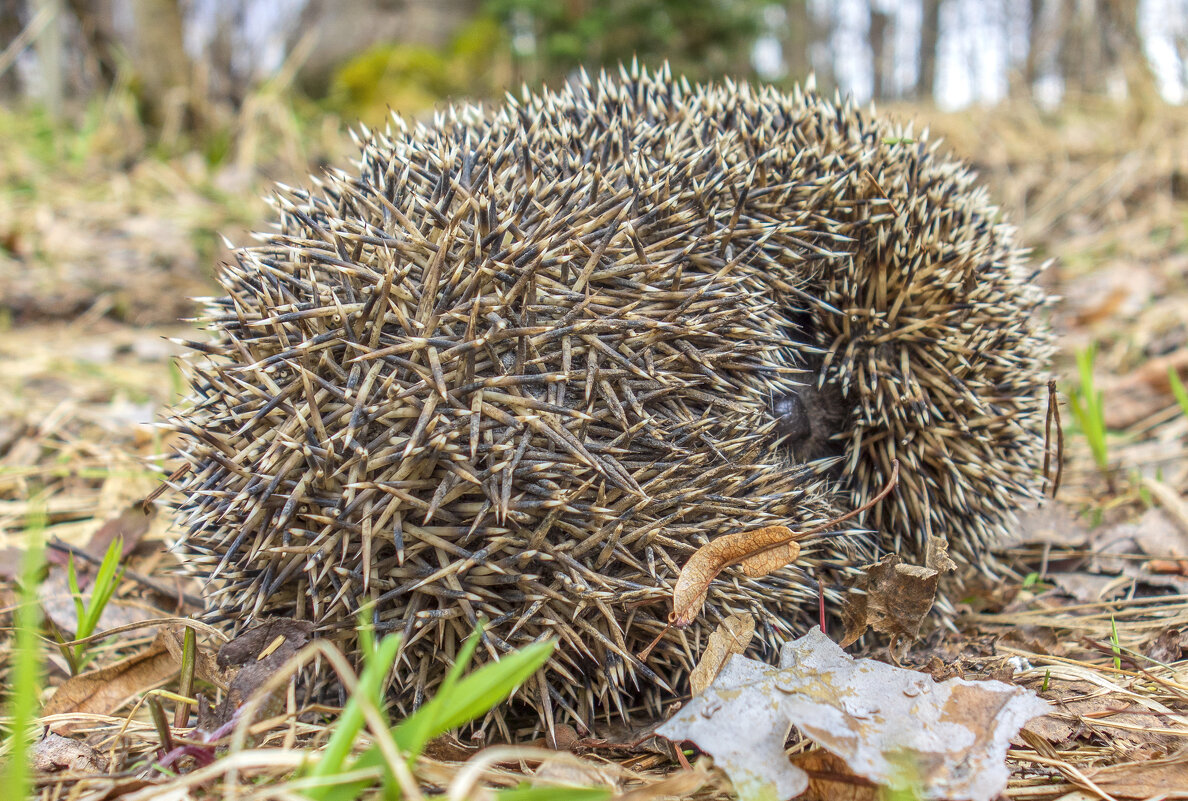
x: 104, y: 691
x: 759, y: 551
x: 259, y: 653
x: 830, y: 779
x: 732, y: 636
x: 954, y: 748
x: 895, y: 599
x: 56, y: 753
x: 1156, y: 778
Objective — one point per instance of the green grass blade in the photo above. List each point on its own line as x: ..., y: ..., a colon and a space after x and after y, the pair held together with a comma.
x: 351, y: 721
x: 26, y: 667
x: 1178, y: 389
x: 424, y: 721
x: 472, y: 697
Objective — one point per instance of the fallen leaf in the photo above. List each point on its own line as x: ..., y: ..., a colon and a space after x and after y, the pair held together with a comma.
x: 130, y: 524
x: 1082, y: 711
x: 1156, y: 778
x: 758, y: 551
x: 895, y: 598
x: 830, y: 779
x: 103, y: 691
x: 58, y: 604
x: 732, y: 636
x: 57, y: 753
x: 259, y: 653
x: 1169, y: 646
x: 856, y: 709
x: 1050, y: 523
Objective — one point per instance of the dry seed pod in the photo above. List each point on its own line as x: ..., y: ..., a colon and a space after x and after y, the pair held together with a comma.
x: 521, y: 363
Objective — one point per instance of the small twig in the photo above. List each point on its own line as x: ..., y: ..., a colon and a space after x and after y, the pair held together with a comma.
x: 154, y: 585
x: 164, y: 485
x: 1053, y: 415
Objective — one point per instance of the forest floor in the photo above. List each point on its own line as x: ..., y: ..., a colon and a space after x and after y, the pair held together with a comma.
x: 102, y: 244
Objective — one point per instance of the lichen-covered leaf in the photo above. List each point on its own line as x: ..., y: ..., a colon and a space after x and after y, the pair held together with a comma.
x: 955, y: 747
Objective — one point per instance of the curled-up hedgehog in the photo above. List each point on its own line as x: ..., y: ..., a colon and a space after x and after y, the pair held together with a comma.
x: 520, y: 363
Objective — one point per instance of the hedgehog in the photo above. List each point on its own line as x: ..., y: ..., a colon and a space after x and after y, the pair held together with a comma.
x: 518, y: 363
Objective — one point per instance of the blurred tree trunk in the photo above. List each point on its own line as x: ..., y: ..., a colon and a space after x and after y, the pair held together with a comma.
x: 1121, y: 19
x: 49, y: 56
x: 798, y: 38
x: 881, y: 52
x: 96, y: 25
x: 11, y: 23
x: 162, y: 66
x: 929, y: 38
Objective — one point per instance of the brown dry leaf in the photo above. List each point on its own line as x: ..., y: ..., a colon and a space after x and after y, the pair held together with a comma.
x: 103, y: 691
x: 259, y: 653
x: 830, y: 779
x: 56, y: 753
x: 955, y: 745
x: 206, y: 667
x: 759, y: 551
x: 679, y: 785
x: 732, y: 636
x: 1081, y: 711
x: 936, y: 555
x: 1051, y: 523
x: 131, y: 524
x: 1157, y: 778
x: 1169, y: 646
x: 895, y: 600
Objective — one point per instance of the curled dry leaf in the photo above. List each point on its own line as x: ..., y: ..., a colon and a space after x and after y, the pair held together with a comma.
x: 894, y: 600
x: 732, y: 636
x: 955, y: 747
x: 759, y: 551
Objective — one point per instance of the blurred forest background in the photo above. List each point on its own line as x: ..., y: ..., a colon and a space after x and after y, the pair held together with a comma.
x: 136, y: 134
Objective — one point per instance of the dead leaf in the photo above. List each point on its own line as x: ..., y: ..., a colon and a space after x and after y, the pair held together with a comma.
x: 895, y: 599
x: 1156, y: 778
x: 260, y: 651
x: 732, y: 636
x: 1050, y: 523
x: 1082, y: 711
x: 103, y: 691
x: 936, y: 555
x: 1169, y: 646
x: 130, y: 525
x: 954, y: 747
x: 57, y: 753
x: 830, y: 779
x: 58, y: 604
x: 759, y: 551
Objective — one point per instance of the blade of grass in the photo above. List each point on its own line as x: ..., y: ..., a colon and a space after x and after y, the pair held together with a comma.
x: 350, y: 722
x: 1178, y: 389
x: 26, y: 664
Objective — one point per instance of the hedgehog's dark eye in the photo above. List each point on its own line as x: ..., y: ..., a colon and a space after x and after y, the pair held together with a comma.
x: 792, y: 420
